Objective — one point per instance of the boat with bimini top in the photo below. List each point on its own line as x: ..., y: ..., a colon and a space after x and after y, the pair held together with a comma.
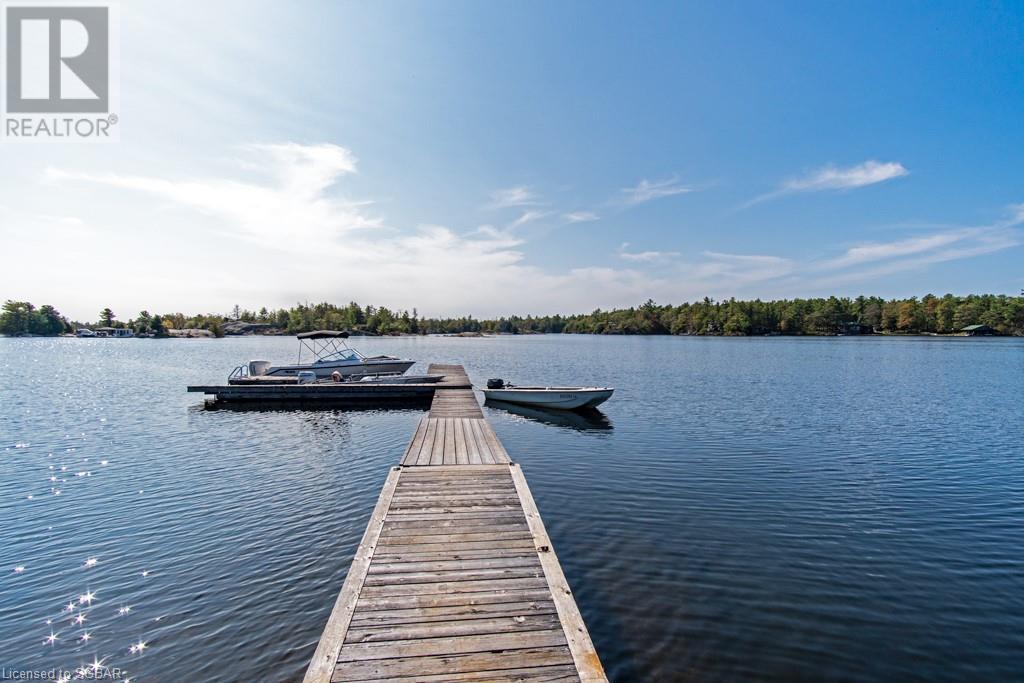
x: 325, y: 352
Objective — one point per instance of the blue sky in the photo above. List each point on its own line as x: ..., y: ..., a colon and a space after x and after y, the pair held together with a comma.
x: 495, y: 158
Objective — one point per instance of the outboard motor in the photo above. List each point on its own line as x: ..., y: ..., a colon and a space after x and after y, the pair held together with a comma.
x: 495, y: 384
x: 258, y: 368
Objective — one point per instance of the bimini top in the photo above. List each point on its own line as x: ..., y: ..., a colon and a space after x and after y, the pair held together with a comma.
x: 323, y: 334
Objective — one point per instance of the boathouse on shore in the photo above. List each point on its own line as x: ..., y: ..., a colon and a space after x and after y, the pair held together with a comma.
x: 848, y: 328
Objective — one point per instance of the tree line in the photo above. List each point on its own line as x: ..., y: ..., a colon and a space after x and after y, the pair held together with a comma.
x: 820, y: 316
x: 21, y: 317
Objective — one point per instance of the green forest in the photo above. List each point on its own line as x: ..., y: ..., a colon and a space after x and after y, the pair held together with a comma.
x: 863, y: 315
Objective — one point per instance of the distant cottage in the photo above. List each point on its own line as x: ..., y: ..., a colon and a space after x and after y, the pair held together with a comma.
x: 978, y: 331
x: 120, y: 332
x: 854, y: 328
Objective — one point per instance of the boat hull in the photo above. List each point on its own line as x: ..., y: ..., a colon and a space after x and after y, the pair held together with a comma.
x: 562, y: 398
x: 344, y: 367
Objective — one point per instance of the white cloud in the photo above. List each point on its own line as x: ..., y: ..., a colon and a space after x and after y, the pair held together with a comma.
x: 970, y: 241
x: 290, y: 212
x: 913, y: 245
x: 513, y: 196
x: 527, y: 217
x: 580, y: 217
x: 715, y: 273
x: 877, y: 259
x: 645, y: 256
x: 742, y: 269
x: 834, y: 178
x: 1016, y: 215
x: 985, y: 246
x: 771, y: 275
x: 491, y: 232
x: 647, y: 190
x: 306, y: 169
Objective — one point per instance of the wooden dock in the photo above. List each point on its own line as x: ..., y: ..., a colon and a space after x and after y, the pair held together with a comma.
x: 455, y: 578
x: 288, y: 392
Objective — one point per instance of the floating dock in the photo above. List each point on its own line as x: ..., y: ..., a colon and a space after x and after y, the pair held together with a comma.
x: 273, y: 391
x: 455, y: 578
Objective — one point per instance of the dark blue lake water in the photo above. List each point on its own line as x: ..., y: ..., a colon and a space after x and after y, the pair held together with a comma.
x: 844, y: 509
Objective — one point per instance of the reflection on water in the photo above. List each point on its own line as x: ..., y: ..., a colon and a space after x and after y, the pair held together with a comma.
x: 585, y: 420
x: 764, y: 509
x: 321, y: 404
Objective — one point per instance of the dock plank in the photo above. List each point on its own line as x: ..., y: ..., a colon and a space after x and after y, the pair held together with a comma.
x: 446, y: 646
x: 445, y: 667
x: 453, y: 575
x: 370, y: 605
x: 538, y: 674
x: 450, y: 565
x: 412, y: 452
x: 437, y: 452
x: 453, y: 555
x: 462, y: 627
x: 461, y: 457
x: 426, y: 615
x: 448, y: 448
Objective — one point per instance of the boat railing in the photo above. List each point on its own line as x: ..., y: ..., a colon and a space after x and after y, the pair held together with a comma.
x: 241, y: 372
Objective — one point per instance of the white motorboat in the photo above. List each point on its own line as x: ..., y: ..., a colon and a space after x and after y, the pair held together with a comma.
x: 563, y: 398
x: 325, y: 352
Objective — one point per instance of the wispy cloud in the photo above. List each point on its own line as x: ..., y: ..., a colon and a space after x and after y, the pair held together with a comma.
x: 644, y: 256
x: 527, y: 217
x: 520, y: 195
x: 291, y: 209
x: 834, y: 178
x: 580, y: 217
x: 307, y: 169
x: 647, y: 190
x: 863, y: 263
x: 877, y: 251
x: 987, y: 245
x: 876, y: 259
x: 742, y: 269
